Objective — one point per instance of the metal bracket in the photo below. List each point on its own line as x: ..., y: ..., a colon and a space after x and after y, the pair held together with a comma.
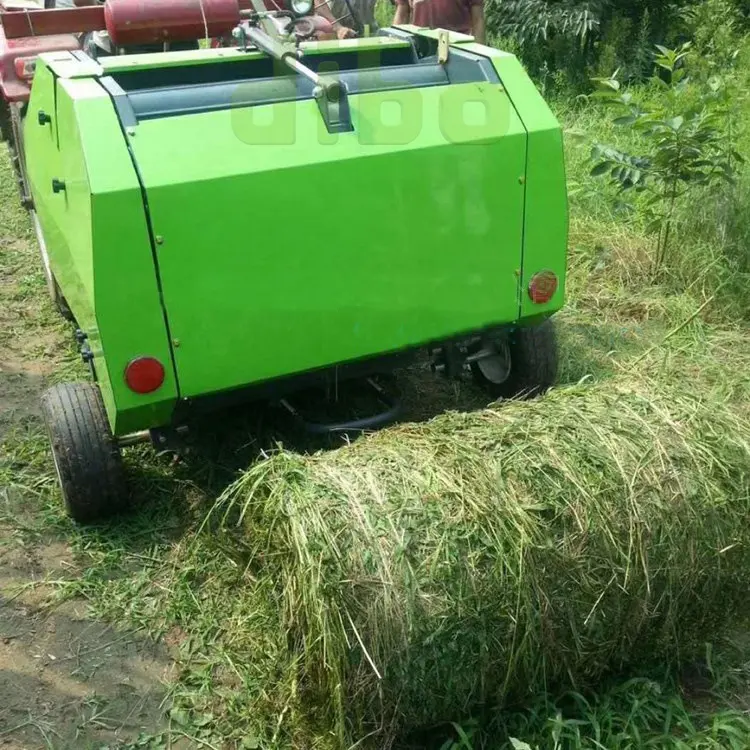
x: 333, y: 103
x: 444, y: 40
x: 448, y: 360
x: 168, y: 439
x: 329, y: 92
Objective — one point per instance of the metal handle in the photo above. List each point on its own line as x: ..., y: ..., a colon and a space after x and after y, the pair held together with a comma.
x: 279, y: 50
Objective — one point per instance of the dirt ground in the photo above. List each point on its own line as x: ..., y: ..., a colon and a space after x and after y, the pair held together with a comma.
x: 66, y: 681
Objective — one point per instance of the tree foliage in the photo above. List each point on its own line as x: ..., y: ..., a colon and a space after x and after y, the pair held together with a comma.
x: 686, y: 140
x: 583, y: 36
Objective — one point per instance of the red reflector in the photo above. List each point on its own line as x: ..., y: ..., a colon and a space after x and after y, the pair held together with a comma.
x: 25, y: 67
x: 144, y: 374
x: 542, y: 287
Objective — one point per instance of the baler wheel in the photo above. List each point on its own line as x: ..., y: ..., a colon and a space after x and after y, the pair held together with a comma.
x: 87, y: 458
x: 533, y: 363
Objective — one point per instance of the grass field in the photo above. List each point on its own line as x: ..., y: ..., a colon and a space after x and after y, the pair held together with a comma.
x: 160, y: 630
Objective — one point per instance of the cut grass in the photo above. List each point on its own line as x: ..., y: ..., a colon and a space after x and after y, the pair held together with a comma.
x: 430, y: 570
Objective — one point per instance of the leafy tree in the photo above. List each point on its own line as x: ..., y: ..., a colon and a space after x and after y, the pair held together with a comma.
x: 686, y: 142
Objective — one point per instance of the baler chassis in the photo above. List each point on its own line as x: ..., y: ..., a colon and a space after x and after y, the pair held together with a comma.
x: 472, y: 279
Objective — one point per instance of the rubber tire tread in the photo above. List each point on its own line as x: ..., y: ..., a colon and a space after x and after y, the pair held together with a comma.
x: 89, y: 463
x: 533, y: 362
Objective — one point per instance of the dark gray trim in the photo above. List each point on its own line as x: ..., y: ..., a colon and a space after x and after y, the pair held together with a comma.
x: 121, y: 101
x: 148, y: 103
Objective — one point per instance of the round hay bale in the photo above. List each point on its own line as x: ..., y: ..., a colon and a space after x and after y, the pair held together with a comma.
x: 430, y: 570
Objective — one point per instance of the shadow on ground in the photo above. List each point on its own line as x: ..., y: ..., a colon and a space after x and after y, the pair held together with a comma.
x: 69, y: 682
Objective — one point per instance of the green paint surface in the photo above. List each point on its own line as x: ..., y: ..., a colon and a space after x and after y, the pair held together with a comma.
x: 283, y: 248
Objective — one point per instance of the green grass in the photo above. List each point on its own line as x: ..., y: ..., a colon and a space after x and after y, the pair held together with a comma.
x: 636, y: 713
x: 679, y: 347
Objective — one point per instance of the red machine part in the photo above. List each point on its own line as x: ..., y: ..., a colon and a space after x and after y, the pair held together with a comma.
x: 130, y: 22
x: 542, y: 287
x: 144, y: 374
x: 40, y: 22
x: 17, y: 58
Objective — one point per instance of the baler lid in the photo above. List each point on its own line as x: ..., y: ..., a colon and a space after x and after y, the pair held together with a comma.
x: 210, y: 82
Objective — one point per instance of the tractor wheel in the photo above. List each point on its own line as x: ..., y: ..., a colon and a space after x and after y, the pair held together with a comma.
x: 531, y: 354
x: 6, y: 130
x: 17, y: 157
x: 87, y: 459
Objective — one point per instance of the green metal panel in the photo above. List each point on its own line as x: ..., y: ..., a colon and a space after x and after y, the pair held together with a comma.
x: 286, y: 248
x: 319, y: 249
x: 156, y: 60
x: 98, y: 241
x: 546, y: 213
x: 67, y: 65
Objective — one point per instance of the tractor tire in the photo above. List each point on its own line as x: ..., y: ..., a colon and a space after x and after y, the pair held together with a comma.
x: 87, y: 458
x: 533, y: 363
x: 17, y: 156
x: 6, y: 129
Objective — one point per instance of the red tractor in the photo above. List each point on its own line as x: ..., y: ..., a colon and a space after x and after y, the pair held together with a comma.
x: 17, y: 61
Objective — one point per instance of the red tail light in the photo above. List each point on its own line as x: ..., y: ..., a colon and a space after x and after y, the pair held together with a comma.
x: 144, y: 374
x: 542, y: 287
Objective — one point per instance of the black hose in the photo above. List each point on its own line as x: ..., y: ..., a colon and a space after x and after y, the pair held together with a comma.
x: 374, y: 422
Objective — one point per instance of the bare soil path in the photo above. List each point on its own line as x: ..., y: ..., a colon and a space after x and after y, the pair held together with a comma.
x: 66, y: 680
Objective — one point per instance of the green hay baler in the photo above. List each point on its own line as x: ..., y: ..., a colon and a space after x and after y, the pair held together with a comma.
x: 236, y: 223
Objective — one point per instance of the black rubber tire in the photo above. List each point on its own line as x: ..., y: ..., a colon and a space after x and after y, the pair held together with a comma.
x: 533, y: 363
x: 6, y: 129
x: 87, y: 459
x: 17, y: 155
